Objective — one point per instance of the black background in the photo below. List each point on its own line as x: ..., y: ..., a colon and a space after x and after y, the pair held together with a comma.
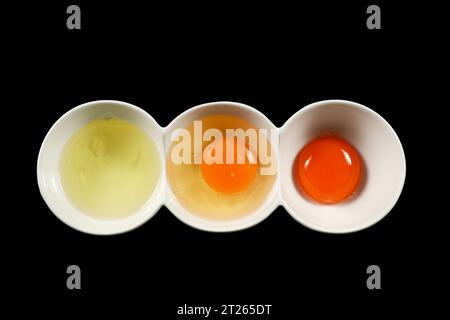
x: 166, y: 58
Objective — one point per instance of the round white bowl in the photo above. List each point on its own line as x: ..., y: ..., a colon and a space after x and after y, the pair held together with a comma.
x: 384, y: 166
x: 260, y: 121
x: 50, y: 153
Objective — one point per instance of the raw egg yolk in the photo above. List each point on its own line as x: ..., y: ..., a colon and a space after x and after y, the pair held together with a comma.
x: 230, y: 177
x: 328, y: 169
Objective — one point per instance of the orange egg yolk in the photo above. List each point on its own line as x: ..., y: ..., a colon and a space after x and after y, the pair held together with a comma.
x: 328, y: 169
x: 230, y: 177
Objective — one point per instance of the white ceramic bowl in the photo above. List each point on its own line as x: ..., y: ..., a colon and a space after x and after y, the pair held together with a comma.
x: 382, y: 153
x: 259, y: 121
x: 379, y: 146
x: 49, y: 157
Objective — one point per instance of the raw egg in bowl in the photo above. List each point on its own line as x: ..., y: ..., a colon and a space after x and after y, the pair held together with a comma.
x: 101, y: 166
x: 343, y: 166
x: 221, y: 166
